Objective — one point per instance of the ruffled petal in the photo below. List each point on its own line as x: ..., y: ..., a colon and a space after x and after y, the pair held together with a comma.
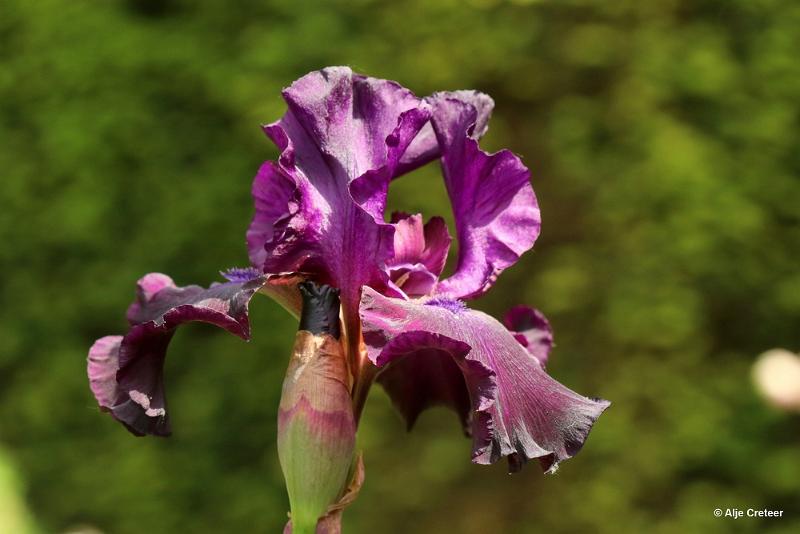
x: 425, y: 148
x: 415, y: 243
x: 412, y: 279
x: 343, y: 127
x: 420, y: 253
x: 532, y: 330
x: 103, y: 364
x: 421, y: 370
x: 319, y: 210
x: 280, y: 287
x: 126, y: 372
x: 285, y: 223
x: 409, y: 238
x: 496, y: 212
x: 517, y: 410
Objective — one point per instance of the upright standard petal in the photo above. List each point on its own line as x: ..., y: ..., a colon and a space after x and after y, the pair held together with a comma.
x: 414, y: 242
x: 420, y: 253
x: 126, y: 372
x: 516, y: 409
x: 425, y: 148
x: 496, y: 212
x: 319, y: 209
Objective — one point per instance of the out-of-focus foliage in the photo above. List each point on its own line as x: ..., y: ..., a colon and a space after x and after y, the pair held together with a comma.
x: 663, y: 138
x: 14, y: 516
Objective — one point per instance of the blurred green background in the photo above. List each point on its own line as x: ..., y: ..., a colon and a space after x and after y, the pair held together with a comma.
x: 663, y: 138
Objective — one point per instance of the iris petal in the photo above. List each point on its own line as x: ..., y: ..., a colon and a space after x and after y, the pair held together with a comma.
x: 319, y: 210
x: 516, y: 410
x: 496, y: 213
x: 412, y: 279
x: 417, y: 243
x: 532, y: 330
x: 126, y: 372
x: 420, y: 253
x: 425, y: 148
x: 421, y: 370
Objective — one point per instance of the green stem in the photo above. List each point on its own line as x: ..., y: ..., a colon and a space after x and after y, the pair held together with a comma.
x: 302, y: 525
x: 361, y: 388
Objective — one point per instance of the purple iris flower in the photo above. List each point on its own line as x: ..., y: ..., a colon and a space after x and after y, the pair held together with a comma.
x: 320, y: 217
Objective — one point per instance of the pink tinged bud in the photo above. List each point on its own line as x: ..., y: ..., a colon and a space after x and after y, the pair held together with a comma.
x: 316, y: 425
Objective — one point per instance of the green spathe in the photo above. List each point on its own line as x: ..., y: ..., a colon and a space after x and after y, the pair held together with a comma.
x: 316, y: 429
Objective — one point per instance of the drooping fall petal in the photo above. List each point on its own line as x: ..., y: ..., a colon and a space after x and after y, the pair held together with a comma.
x: 126, y: 372
x: 428, y: 374
x: 532, y: 330
x: 516, y: 409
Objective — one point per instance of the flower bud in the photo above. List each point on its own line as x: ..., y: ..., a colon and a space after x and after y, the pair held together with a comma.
x: 316, y: 426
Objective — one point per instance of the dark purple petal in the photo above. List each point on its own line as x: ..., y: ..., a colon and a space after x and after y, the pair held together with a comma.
x: 421, y: 370
x: 126, y: 372
x: 319, y: 210
x: 532, y: 330
x: 425, y: 148
x: 517, y: 410
x: 340, y: 127
x: 496, y: 213
x: 276, y: 226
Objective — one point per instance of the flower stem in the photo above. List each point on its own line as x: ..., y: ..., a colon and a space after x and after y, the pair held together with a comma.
x: 362, y: 386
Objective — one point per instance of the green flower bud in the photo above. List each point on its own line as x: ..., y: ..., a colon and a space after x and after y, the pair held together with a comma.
x: 316, y: 425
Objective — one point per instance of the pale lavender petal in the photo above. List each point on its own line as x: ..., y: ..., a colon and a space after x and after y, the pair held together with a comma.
x: 517, y: 410
x: 240, y: 274
x: 496, y: 213
x: 532, y: 330
x: 126, y: 372
x: 425, y: 148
